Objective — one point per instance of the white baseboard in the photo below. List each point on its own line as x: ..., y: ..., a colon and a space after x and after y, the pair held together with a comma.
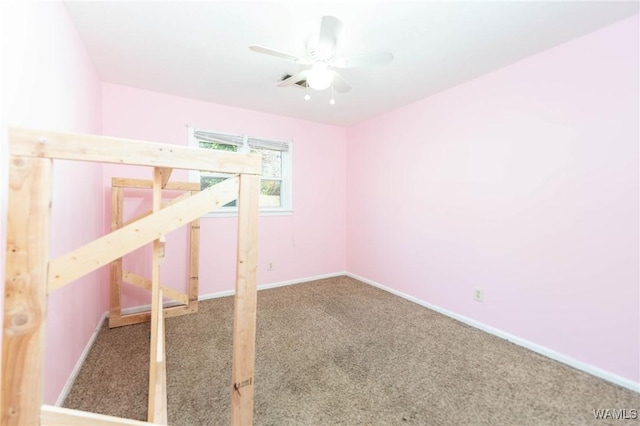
x: 557, y: 356
x: 76, y: 369
x: 273, y: 285
x: 147, y: 307
x: 587, y: 368
x: 225, y: 293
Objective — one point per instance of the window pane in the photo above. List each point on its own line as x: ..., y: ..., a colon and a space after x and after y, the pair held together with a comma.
x: 270, y: 193
x: 271, y: 162
x: 208, y: 181
x: 218, y: 146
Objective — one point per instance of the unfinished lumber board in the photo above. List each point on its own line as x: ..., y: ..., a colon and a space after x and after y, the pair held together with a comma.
x: 244, y: 314
x: 158, y: 386
x: 142, y: 282
x: 115, y: 315
x: 147, y: 184
x: 115, y: 295
x: 157, y: 411
x: 58, y: 416
x: 158, y: 245
x: 148, y: 213
x: 157, y: 406
x: 103, y: 250
x: 165, y: 172
x: 105, y: 149
x: 194, y: 261
x: 25, y: 291
x: 136, y: 318
x: 27, y: 279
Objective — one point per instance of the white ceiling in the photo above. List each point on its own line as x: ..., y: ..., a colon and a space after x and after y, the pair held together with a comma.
x: 200, y: 49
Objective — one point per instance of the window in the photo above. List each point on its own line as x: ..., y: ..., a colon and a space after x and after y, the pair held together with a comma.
x: 275, y: 184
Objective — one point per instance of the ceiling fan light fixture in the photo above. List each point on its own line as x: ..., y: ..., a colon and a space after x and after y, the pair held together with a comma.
x: 319, y: 67
x: 319, y: 77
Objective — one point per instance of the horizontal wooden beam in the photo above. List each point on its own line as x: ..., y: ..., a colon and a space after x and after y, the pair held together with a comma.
x: 138, y: 317
x: 58, y: 416
x: 147, y: 184
x: 100, y: 252
x: 145, y: 283
x: 105, y: 149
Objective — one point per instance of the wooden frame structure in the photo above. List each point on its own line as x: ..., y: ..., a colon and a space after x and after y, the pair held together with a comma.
x: 188, y: 303
x: 30, y: 275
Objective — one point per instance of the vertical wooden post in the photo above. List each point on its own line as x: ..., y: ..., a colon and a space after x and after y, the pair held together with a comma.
x: 115, y: 310
x: 157, y: 409
x: 244, y: 321
x: 194, y: 262
x: 25, y: 298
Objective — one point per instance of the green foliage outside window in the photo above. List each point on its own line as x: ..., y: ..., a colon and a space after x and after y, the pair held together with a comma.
x: 218, y: 146
x: 271, y: 183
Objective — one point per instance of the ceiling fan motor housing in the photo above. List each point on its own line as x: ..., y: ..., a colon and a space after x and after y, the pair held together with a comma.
x: 318, y: 69
x: 317, y: 52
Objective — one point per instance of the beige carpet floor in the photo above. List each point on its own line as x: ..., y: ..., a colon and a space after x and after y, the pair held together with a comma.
x: 340, y: 352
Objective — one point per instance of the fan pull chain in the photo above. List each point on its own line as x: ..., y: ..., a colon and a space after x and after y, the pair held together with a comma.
x: 332, y: 101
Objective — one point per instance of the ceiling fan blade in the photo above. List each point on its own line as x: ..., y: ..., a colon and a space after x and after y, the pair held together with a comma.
x: 329, y: 30
x: 290, y: 81
x: 273, y: 52
x: 340, y: 84
x: 381, y: 58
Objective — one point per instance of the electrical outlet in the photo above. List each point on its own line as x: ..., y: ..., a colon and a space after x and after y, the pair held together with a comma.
x: 270, y: 266
x: 478, y: 295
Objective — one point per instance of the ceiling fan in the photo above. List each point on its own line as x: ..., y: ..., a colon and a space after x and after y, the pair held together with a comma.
x: 318, y: 68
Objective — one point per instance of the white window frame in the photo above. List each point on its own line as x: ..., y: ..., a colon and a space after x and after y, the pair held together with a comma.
x: 243, y: 142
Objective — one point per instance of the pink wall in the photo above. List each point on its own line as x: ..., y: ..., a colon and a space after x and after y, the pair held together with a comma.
x: 308, y: 243
x: 50, y: 83
x: 523, y: 183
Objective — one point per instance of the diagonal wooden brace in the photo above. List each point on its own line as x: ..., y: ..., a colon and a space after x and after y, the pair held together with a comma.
x: 142, y: 282
x: 116, y: 244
